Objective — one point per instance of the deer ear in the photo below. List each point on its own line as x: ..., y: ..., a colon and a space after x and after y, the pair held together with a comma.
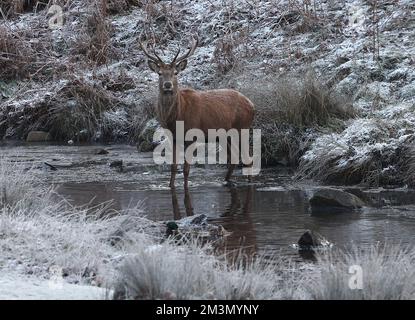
x: 153, y: 66
x: 181, y: 66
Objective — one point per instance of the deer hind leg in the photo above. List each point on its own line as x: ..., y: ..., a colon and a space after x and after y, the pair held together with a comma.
x: 249, y: 165
x: 245, y: 155
x: 231, y: 166
x: 173, y: 168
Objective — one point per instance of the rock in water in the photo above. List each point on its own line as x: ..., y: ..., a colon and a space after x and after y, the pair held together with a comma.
x: 311, y: 239
x: 51, y: 167
x: 330, y: 199
x: 117, y: 164
x: 101, y: 152
x: 38, y: 136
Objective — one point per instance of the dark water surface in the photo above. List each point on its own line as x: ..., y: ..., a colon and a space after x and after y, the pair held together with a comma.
x: 268, y: 215
x: 266, y: 219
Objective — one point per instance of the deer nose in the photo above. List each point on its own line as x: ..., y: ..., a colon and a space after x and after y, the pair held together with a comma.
x: 168, y: 85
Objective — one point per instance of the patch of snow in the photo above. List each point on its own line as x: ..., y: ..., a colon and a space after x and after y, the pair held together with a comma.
x: 14, y: 286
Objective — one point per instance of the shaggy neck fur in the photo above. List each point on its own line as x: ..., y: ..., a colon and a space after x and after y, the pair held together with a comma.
x: 168, y: 109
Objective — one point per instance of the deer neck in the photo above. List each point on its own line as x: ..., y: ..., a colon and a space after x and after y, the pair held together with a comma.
x: 169, y: 109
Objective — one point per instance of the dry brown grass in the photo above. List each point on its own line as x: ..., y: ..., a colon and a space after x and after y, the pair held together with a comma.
x: 140, y: 115
x: 119, y: 6
x: 29, y: 53
x: 10, y: 8
x: 70, y: 110
x: 16, y: 54
x: 14, y: 8
x: 75, y: 112
x: 94, y: 40
x: 291, y: 110
x: 230, y: 50
x: 299, y: 100
x: 163, y: 21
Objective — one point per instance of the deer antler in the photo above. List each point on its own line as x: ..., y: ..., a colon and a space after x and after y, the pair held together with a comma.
x: 188, y: 54
x: 154, y: 57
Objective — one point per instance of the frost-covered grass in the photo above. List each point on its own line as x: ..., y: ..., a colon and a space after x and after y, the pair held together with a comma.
x: 123, y: 251
x: 17, y: 187
x: 166, y: 273
x: 39, y: 230
x: 374, y: 151
x: 388, y: 273
x: 171, y: 272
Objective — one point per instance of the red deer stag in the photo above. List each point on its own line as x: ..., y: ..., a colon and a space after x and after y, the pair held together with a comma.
x: 212, y: 109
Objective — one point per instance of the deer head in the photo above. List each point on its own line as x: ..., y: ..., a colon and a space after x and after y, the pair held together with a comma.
x: 168, y: 71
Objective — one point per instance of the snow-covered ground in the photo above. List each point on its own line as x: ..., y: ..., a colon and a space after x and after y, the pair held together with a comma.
x: 15, y: 286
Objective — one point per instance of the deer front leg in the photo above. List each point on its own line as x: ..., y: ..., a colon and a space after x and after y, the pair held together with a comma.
x: 187, y: 198
x: 173, y: 168
x: 231, y: 167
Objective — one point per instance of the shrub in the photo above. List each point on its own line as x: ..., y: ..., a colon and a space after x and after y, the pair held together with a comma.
x: 291, y: 110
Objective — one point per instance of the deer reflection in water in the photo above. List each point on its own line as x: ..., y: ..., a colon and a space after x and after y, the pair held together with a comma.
x: 236, y: 217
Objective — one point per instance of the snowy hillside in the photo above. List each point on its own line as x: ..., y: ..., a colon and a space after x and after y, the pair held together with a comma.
x: 88, y: 79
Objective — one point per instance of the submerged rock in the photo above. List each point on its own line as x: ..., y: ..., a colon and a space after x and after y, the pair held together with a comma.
x: 116, y: 164
x: 329, y: 198
x: 38, y: 136
x: 101, y: 152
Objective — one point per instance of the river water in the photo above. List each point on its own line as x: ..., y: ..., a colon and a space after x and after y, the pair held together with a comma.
x: 268, y: 215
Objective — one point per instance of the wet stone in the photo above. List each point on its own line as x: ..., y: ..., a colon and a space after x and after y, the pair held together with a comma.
x: 334, y: 200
